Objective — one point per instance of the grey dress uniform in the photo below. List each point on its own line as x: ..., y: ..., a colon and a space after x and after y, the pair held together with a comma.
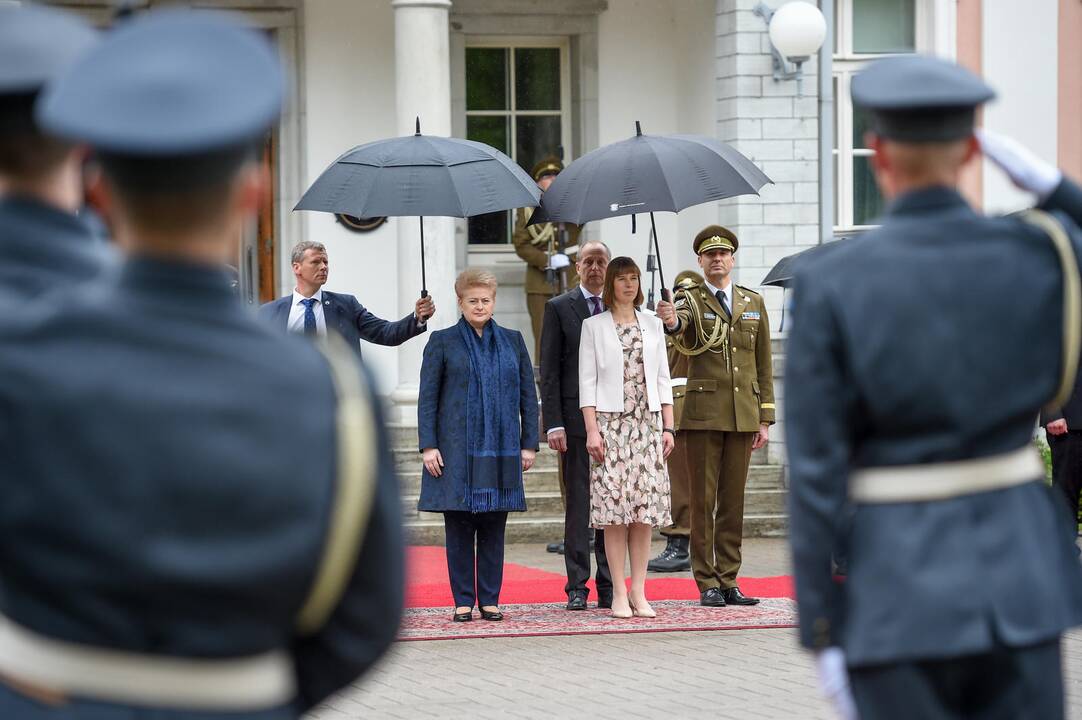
x: 199, y: 506
x: 42, y: 248
x: 913, y: 347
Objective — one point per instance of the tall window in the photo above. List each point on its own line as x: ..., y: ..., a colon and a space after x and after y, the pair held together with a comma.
x: 865, y: 29
x: 517, y: 99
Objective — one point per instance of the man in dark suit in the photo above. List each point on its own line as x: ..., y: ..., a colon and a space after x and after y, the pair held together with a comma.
x: 1063, y: 428
x: 311, y: 310
x: 43, y: 245
x: 564, y: 425
x: 913, y: 375
x: 219, y: 533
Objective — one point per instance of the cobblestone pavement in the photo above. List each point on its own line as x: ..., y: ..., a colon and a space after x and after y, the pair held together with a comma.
x: 752, y: 674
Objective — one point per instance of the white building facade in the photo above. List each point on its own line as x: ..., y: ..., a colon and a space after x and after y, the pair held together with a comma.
x: 536, y: 78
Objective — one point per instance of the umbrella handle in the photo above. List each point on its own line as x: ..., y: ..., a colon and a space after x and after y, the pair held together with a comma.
x: 424, y: 285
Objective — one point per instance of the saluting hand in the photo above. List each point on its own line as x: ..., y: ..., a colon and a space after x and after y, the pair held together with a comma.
x: 433, y: 461
x: 667, y: 312
x: 424, y: 309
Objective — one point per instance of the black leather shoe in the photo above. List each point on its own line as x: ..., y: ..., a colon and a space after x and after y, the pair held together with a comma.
x: 556, y: 547
x: 674, y: 558
x: 712, y: 598
x: 733, y: 596
x: 490, y: 615
x: 604, y: 600
x: 576, y: 600
x: 463, y: 617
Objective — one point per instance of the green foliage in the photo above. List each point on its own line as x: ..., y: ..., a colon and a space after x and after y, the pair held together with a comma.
x: 1046, y: 456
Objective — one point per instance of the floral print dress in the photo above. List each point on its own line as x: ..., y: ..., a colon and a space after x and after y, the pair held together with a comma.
x: 632, y: 485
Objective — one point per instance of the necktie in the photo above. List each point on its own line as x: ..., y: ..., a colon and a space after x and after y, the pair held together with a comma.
x: 595, y: 305
x: 721, y: 301
x: 309, y: 316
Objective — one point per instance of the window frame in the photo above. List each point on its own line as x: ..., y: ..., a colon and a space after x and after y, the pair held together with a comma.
x: 512, y: 42
x: 845, y: 64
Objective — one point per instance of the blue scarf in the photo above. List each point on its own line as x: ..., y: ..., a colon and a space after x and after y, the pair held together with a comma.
x: 493, y: 434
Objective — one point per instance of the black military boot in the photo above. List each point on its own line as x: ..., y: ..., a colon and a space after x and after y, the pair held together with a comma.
x: 674, y: 558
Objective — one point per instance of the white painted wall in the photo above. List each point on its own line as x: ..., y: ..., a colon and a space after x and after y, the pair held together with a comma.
x: 1019, y: 46
x: 656, y: 65
x: 349, y: 99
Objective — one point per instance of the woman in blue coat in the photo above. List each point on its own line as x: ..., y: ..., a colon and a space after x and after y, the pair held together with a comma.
x: 477, y: 425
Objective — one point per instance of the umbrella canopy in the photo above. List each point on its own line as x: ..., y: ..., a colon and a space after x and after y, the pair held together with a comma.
x: 781, y: 275
x: 421, y: 175
x: 648, y: 173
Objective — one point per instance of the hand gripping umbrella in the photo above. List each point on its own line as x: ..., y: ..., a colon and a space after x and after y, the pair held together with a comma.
x: 421, y: 175
x: 648, y: 173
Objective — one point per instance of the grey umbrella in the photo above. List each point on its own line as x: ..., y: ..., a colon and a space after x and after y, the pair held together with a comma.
x: 648, y: 173
x: 421, y: 175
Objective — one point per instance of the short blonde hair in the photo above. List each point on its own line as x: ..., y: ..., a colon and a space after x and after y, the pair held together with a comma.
x: 474, y: 277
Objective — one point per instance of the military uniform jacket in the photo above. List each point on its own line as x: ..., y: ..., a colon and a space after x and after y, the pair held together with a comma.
x: 169, y: 472
x: 43, y: 248
x: 678, y: 371
x: 934, y: 338
x: 532, y: 245
x: 729, y: 388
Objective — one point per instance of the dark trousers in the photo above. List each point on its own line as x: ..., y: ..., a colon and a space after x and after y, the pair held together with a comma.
x: 462, y: 530
x: 1004, y: 684
x: 679, y: 484
x: 719, y: 463
x: 1067, y: 468
x: 577, y: 531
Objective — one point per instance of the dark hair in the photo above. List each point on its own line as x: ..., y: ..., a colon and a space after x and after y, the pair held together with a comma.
x: 25, y: 151
x: 622, y: 265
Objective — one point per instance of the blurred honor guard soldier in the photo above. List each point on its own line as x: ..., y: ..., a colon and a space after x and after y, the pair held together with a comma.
x: 728, y: 407
x: 43, y: 245
x: 311, y: 310
x: 914, y: 375
x: 218, y: 533
x: 676, y: 556
x: 549, y: 268
x: 1063, y: 429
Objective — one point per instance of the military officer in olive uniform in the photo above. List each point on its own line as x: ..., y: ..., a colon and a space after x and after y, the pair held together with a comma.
x: 917, y: 361
x: 676, y: 555
x: 200, y: 516
x: 539, y: 246
x: 43, y: 245
x: 728, y: 407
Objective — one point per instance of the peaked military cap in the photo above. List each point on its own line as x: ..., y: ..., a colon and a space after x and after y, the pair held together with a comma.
x: 36, y: 44
x: 169, y: 83
x: 916, y: 98
x: 686, y: 279
x: 714, y: 237
x: 549, y: 166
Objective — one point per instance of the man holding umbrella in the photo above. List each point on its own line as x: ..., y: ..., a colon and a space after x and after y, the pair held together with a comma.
x: 728, y: 407
x: 540, y: 246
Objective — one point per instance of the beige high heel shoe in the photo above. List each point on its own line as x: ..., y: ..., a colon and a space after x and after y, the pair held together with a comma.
x: 622, y: 614
x: 649, y: 613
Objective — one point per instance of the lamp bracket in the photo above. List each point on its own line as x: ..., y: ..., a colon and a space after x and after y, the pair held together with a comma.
x: 782, y: 69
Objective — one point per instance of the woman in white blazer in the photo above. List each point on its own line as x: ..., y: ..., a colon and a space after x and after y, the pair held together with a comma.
x: 626, y: 401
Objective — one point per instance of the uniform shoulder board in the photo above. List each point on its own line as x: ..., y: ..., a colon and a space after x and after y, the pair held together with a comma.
x: 748, y: 290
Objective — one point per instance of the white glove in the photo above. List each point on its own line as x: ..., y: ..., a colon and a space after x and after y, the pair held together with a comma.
x: 834, y: 682
x: 1025, y: 169
x: 559, y: 261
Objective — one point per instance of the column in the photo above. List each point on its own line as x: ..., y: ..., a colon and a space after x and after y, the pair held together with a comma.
x: 423, y: 89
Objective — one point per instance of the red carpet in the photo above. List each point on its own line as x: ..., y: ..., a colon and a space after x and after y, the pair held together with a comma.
x: 428, y: 585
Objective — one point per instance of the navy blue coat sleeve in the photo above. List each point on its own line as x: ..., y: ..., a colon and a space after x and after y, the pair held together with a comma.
x: 1067, y: 198
x: 820, y: 402
x: 365, y: 623
x: 379, y: 331
x: 428, y: 396
x: 527, y: 397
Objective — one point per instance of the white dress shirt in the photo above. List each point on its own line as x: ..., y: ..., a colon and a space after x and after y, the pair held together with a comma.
x: 296, y: 314
x: 726, y: 291
x: 587, y: 295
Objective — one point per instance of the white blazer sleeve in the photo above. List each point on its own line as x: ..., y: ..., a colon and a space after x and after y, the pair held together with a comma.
x: 587, y: 367
x: 664, y: 381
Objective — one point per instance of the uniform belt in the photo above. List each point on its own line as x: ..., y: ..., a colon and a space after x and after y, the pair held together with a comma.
x: 58, y: 668
x: 943, y: 481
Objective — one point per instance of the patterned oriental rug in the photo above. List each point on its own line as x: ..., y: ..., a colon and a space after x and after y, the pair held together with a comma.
x: 533, y: 601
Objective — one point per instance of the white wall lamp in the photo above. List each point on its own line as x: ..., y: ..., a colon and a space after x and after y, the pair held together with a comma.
x: 797, y: 30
